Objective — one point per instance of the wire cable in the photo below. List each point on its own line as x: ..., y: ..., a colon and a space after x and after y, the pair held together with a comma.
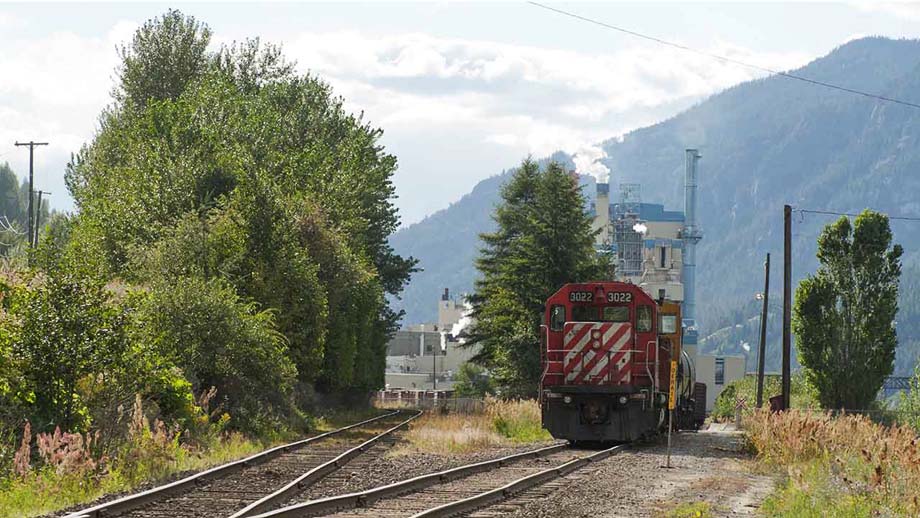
x: 850, y: 215
x: 724, y: 58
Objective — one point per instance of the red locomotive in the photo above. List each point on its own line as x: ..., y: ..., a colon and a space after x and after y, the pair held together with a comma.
x: 606, y: 358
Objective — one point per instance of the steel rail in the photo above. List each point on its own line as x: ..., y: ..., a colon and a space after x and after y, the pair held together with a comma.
x: 136, y: 500
x: 365, y: 498
x: 497, y: 495
x: 316, y: 474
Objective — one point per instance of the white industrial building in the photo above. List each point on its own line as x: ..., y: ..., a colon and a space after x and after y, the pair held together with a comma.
x: 655, y: 249
x: 427, y: 356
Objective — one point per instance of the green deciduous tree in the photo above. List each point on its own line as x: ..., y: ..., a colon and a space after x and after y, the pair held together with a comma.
x: 69, y: 331
x: 238, y: 169
x: 165, y: 55
x: 843, y: 316
x: 544, y: 240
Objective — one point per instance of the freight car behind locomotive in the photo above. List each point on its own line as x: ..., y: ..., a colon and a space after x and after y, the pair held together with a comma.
x: 606, y: 358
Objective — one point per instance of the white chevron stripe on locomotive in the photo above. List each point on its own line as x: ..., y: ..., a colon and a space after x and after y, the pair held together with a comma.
x: 596, y: 352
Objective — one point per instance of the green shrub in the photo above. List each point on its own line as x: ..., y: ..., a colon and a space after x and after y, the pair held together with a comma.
x: 69, y: 329
x: 472, y: 381
x: 221, y: 341
x: 172, y: 393
x: 745, y: 389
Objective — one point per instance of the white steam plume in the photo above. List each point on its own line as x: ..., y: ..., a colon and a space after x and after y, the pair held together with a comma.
x: 640, y: 228
x: 588, y: 161
x: 462, y: 324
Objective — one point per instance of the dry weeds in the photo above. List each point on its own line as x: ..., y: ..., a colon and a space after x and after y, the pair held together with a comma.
x: 866, y: 459
x: 499, y: 424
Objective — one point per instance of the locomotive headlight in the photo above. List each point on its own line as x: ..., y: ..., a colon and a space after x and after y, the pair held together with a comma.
x: 623, y: 400
x: 567, y: 399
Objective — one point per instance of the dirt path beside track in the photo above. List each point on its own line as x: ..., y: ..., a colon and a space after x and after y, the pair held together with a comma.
x: 708, y: 466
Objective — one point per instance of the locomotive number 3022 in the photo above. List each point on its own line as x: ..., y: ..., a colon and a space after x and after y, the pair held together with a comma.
x: 623, y: 297
x: 619, y: 297
x: 581, y: 296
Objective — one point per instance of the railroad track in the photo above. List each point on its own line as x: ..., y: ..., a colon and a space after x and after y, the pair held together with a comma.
x: 252, y: 485
x: 452, y: 492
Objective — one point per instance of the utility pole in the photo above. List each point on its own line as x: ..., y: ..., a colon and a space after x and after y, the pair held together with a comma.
x: 38, y: 218
x: 763, y: 331
x: 31, y: 145
x: 787, y: 305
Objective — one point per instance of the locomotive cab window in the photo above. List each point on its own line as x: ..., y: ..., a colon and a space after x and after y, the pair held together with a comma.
x: 584, y: 313
x: 644, y: 319
x: 667, y: 324
x: 616, y: 314
x: 557, y: 318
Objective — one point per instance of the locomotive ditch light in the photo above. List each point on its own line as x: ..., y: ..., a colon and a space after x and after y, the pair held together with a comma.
x: 623, y: 400
x: 567, y: 399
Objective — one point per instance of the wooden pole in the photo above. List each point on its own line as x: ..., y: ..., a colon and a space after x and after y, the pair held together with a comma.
x: 763, y: 331
x: 787, y: 305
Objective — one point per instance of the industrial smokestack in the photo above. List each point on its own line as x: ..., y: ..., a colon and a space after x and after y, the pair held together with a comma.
x: 691, y: 236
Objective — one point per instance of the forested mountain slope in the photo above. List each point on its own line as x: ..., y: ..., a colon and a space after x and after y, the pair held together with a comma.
x: 764, y: 143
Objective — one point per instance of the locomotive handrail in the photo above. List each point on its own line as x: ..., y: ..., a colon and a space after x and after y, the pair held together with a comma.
x: 544, y: 355
x: 651, y: 378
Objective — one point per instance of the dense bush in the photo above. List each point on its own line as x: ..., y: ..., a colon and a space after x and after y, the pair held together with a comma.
x: 227, y: 262
x: 472, y: 381
x: 220, y: 341
x: 230, y: 244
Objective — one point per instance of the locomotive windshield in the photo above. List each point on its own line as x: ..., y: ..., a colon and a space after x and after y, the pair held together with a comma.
x: 600, y: 314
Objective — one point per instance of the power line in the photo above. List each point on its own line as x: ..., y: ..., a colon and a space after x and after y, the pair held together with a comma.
x: 724, y: 58
x: 848, y: 214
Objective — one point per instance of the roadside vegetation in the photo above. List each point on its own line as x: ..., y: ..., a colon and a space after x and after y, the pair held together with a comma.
x: 223, y: 279
x: 845, y: 465
x: 498, y: 423
x: 743, y: 392
x: 841, y: 452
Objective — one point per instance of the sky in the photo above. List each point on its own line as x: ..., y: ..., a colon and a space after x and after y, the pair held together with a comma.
x: 461, y: 90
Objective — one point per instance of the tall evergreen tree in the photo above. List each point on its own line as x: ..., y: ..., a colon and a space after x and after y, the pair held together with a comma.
x: 543, y: 240
x: 844, y: 315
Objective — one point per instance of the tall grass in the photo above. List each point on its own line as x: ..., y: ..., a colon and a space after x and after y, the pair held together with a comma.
x: 66, y: 469
x: 844, y: 465
x: 498, y: 424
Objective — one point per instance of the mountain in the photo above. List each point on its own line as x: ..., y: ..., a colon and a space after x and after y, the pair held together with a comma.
x: 764, y: 143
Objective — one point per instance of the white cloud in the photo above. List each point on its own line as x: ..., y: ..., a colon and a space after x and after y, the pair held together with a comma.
x: 53, y: 89
x: 504, y: 99
x: 905, y: 10
x: 543, y: 98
